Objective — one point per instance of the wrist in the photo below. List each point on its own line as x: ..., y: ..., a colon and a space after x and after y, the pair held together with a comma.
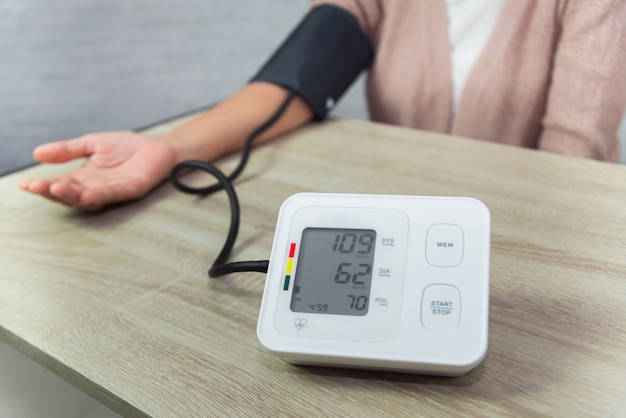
x: 176, y: 143
x: 191, y: 143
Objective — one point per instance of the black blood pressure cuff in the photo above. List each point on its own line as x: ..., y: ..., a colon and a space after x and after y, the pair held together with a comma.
x: 321, y: 58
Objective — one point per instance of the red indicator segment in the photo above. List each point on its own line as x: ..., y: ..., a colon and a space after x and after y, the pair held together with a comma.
x: 292, y: 250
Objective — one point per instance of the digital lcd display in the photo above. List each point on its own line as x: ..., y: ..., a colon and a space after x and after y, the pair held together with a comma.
x: 334, y: 271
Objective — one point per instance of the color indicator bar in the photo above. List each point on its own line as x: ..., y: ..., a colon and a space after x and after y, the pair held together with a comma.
x: 289, y: 268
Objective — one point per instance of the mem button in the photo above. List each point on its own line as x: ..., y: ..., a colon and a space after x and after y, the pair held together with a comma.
x: 444, y: 245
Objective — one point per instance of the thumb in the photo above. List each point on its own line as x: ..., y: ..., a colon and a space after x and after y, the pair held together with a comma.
x: 62, y: 151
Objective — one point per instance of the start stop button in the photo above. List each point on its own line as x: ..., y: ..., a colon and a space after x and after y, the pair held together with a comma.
x: 441, y: 307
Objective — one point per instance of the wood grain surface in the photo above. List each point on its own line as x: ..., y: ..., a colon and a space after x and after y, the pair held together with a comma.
x: 119, y: 304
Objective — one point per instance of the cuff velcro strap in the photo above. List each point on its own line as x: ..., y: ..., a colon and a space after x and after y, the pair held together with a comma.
x: 321, y: 58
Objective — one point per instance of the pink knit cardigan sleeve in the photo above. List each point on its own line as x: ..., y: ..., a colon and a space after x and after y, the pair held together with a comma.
x: 587, y: 93
x: 368, y: 12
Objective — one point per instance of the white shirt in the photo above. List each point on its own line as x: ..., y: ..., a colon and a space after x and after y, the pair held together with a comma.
x: 470, y: 24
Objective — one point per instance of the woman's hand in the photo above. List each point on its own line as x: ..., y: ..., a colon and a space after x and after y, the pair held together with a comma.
x: 120, y: 166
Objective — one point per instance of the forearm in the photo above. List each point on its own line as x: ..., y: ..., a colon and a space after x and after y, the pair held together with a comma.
x: 225, y: 127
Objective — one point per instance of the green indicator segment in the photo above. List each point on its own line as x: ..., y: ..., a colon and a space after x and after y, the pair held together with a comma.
x: 286, y: 285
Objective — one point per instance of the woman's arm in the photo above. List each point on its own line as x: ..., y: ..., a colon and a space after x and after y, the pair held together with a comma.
x: 123, y: 166
x: 318, y: 61
x: 224, y: 128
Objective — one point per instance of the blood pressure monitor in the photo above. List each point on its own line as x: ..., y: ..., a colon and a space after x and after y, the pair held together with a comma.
x: 395, y: 283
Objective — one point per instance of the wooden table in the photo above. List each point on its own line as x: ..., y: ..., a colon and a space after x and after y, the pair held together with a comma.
x: 119, y: 304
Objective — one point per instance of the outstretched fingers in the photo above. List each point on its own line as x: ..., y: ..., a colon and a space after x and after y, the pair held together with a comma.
x: 65, y: 189
x: 39, y: 187
x: 62, y: 151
